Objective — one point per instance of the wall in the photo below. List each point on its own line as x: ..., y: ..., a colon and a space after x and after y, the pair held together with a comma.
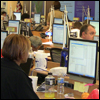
x: 13, y: 4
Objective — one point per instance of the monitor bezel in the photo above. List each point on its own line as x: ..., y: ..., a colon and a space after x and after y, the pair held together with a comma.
x: 6, y: 34
x: 57, y: 18
x: 12, y: 26
x: 20, y: 14
x: 66, y: 35
x: 76, y: 39
x: 40, y: 18
x: 5, y: 31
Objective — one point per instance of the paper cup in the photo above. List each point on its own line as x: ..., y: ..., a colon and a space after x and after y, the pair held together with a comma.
x: 34, y: 82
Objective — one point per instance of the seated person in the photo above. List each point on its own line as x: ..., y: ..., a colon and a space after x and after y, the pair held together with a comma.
x: 4, y: 16
x: 76, y: 28
x: 23, y: 24
x: 87, y: 32
x: 36, y: 42
x: 15, y: 83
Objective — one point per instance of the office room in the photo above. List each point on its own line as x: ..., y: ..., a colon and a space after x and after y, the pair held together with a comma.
x: 49, y: 49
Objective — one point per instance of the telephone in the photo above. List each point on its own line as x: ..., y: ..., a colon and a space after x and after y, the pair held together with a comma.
x: 38, y: 28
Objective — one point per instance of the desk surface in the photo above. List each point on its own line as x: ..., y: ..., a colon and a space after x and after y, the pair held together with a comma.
x: 77, y: 94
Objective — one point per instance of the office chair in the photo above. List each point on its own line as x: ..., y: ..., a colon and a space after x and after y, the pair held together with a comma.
x: 55, y: 54
x: 26, y: 66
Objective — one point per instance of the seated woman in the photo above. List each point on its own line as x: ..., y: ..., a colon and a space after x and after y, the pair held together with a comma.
x: 15, y: 84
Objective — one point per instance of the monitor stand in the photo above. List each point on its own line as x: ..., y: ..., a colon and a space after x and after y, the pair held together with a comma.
x: 57, y: 45
x: 81, y: 79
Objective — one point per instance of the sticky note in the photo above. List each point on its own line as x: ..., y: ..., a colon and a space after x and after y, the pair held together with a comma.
x: 82, y: 87
x: 76, y: 86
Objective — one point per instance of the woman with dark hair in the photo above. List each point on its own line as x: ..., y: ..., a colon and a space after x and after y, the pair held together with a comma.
x: 57, y: 12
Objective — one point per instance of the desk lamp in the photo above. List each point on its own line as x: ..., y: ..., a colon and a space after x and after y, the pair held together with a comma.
x: 10, y: 12
x: 65, y: 21
x: 83, y: 11
x: 88, y: 15
x: 51, y: 18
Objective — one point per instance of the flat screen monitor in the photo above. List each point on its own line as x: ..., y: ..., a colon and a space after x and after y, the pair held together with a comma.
x: 82, y: 60
x: 58, y: 34
x: 18, y: 15
x: 14, y: 23
x: 96, y: 37
x: 4, y: 34
x: 90, y: 18
x: 96, y: 25
x: 58, y: 21
x: 37, y: 18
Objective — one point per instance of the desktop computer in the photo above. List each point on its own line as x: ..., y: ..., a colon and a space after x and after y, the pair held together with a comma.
x: 82, y: 60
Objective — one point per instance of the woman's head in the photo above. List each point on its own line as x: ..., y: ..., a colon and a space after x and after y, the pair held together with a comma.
x: 16, y: 47
x: 57, y: 5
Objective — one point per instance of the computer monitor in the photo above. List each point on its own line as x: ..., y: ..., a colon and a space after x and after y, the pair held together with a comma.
x: 96, y: 37
x: 90, y: 18
x: 58, y: 21
x: 58, y: 34
x: 82, y: 60
x: 96, y: 25
x: 37, y: 18
x: 14, y: 23
x: 18, y: 15
x: 4, y: 34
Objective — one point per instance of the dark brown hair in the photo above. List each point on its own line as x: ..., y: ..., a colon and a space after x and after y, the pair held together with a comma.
x: 15, y: 46
x: 57, y: 5
x: 77, y: 25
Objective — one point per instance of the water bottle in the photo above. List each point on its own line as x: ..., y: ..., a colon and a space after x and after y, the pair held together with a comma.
x: 60, y: 84
x: 49, y: 86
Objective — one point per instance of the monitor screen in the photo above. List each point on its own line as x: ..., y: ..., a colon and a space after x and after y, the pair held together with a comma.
x: 14, y: 23
x: 58, y: 21
x: 18, y: 15
x: 96, y: 25
x: 37, y: 18
x: 3, y: 36
x: 58, y: 33
x: 96, y: 37
x: 82, y: 58
x: 90, y: 18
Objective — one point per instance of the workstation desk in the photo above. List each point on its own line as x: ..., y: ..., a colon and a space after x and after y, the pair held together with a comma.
x: 77, y: 94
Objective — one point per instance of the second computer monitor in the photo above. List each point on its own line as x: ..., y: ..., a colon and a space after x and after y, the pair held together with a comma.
x: 96, y: 25
x: 18, y: 15
x: 4, y: 34
x: 14, y: 23
x: 58, y: 21
x: 82, y: 60
x: 37, y: 18
x: 90, y: 18
x: 58, y: 34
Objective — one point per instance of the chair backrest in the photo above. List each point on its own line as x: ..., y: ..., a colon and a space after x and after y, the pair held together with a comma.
x: 55, y: 54
x: 26, y: 66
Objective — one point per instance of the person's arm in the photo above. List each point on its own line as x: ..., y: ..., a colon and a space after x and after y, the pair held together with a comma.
x: 24, y: 87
